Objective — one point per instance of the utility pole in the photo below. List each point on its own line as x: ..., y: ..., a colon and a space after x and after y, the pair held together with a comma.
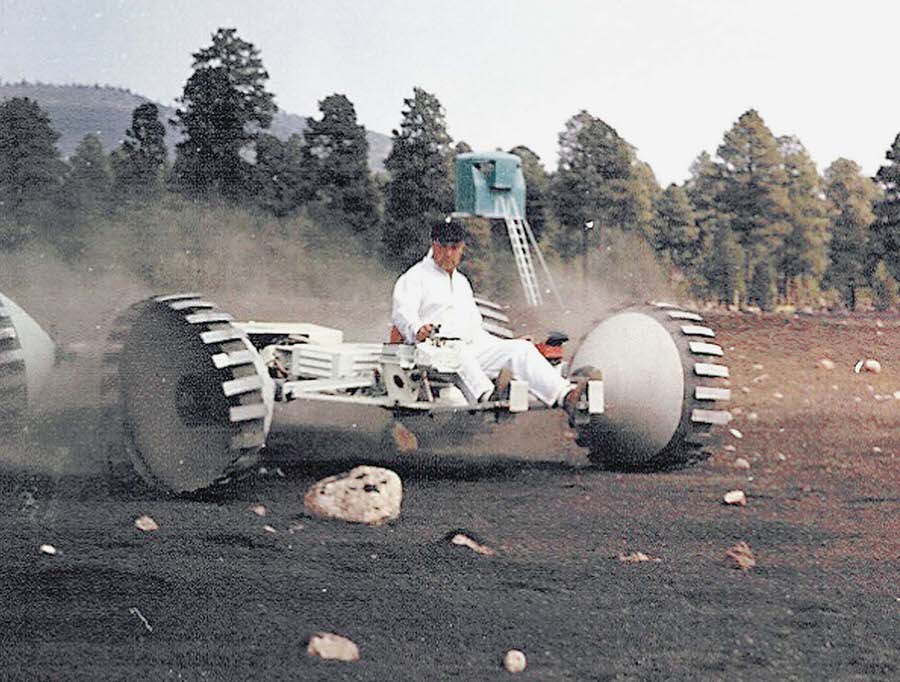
x: 585, y: 254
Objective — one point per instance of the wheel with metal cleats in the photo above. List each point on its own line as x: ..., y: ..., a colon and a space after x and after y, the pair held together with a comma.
x: 665, y: 389
x: 190, y: 399
x: 13, y: 387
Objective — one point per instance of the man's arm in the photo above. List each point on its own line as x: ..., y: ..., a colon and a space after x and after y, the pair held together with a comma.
x: 406, y: 303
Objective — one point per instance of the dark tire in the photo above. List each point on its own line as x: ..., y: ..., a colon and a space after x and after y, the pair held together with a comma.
x: 189, y: 401
x: 665, y: 389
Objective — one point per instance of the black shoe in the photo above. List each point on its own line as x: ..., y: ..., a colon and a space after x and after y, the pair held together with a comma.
x: 573, y: 399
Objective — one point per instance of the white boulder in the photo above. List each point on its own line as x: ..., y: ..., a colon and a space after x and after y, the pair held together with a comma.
x: 364, y: 494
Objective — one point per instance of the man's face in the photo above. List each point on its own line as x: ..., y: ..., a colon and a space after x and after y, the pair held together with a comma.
x: 448, y: 256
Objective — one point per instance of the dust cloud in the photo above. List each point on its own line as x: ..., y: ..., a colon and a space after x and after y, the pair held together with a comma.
x: 264, y: 277
x: 256, y: 269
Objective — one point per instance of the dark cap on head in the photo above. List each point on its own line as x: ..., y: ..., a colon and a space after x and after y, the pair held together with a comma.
x: 450, y: 230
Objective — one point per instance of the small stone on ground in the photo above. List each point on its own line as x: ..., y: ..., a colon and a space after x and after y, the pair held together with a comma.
x: 463, y: 540
x: 735, y: 497
x: 514, y: 661
x: 146, y: 524
x: 332, y: 647
x: 740, y: 557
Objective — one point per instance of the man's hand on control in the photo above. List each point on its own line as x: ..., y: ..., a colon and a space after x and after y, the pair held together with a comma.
x: 424, y: 332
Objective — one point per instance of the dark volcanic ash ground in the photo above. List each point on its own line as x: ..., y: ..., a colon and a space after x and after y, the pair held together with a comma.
x: 214, y: 594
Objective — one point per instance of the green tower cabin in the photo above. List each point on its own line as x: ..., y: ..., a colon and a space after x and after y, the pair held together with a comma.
x: 491, y: 185
x: 488, y: 184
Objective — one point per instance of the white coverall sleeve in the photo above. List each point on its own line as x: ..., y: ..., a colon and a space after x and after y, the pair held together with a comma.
x: 406, y: 302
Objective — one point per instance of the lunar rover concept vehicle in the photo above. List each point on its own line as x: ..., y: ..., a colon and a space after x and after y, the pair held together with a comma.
x: 192, y: 391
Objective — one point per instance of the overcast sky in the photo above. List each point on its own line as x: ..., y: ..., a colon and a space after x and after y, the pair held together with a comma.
x: 671, y: 76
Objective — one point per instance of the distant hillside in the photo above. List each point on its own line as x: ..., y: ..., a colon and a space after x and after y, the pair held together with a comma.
x: 78, y: 110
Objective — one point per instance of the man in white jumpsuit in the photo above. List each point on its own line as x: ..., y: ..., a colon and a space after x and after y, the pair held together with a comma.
x: 433, y: 292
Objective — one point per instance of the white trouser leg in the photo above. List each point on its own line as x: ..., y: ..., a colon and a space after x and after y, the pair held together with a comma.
x: 527, y: 364
x: 475, y: 381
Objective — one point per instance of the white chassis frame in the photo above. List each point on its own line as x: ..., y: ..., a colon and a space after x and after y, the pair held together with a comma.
x: 317, y: 365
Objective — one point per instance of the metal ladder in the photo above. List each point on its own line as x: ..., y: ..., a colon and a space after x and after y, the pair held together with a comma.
x: 522, y: 240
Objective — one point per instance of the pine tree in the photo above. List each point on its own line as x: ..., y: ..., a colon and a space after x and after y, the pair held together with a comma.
x: 336, y: 158
x: 675, y: 229
x: 723, y: 268
x: 600, y: 180
x: 139, y: 162
x: 762, y: 289
x: 30, y: 168
x: 223, y: 109
x: 88, y: 184
x: 703, y: 188
x: 884, y: 288
x: 754, y: 191
x: 850, y: 196
x: 279, y: 178
x: 803, y: 251
x: 886, y: 228
x: 537, y: 186
x: 419, y: 191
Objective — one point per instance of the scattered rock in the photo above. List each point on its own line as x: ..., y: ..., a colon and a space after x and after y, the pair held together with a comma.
x: 514, y: 661
x: 740, y: 557
x: 825, y: 363
x: 781, y: 457
x: 146, y: 524
x: 48, y: 549
x: 462, y: 540
x: 736, y: 433
x: 332, y: 647
x: 736, y: 497
x: 364, y: 494
x: 637, y: 558
x: 896, y: 395
x: 752, y: 416
x: 729, y: 448
x: 269, y: 529
x: 757, y: 366
x: 872, y: 366
x: 404, y: 439
x: 258, y: 509
x: 760, y: 378
x: 741, y: 463
x: 877, y: 450
x: 745, y: 389
x: 778, y: 395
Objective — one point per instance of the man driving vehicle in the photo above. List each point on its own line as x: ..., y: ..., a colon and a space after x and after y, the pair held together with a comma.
x: 433, y: 293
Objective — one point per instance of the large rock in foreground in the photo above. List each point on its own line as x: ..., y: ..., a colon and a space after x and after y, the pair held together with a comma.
x: 364, y: 494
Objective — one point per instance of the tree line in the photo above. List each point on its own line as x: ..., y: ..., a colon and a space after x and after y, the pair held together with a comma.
x: 755, y: 224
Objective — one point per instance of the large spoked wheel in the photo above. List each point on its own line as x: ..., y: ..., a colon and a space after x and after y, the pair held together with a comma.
x: 665, y: 389
x: 13, y: 387
x: 191, y: 402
